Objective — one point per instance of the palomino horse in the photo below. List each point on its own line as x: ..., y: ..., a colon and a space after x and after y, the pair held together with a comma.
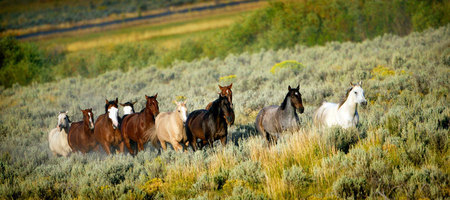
x: 344, y: 113
x: 81, y: 134
x: 170, y: 127
x: 210, y: 125
x: 225, y: 91
x: 139, y: 127
x: 273, y: 120
x: 106, y: 130
x: 57, y: 138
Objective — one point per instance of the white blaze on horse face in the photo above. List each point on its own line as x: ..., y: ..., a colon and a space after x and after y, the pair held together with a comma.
x: 358, y: 95
x: 183, y: 112
x: 127, y: 110
x: 91, y: 123
x: 112, y: 114
x: 61, y: 118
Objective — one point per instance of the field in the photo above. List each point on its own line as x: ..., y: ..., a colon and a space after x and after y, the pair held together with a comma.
x: 400, y: 149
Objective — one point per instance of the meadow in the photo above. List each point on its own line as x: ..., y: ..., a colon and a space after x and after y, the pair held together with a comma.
x: 399, y: 150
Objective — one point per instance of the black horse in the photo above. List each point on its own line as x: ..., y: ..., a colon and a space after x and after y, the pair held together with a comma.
x: 210, y: 125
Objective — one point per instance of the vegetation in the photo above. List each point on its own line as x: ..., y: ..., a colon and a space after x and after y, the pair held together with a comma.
x: 400, y: 149
x: 29, y: 13
x: 282, y: 24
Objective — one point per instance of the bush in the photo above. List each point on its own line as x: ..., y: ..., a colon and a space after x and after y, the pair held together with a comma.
x: 355, y: 188
x: 296, y: 178
x: 249, y: 171
x: 341, y: 139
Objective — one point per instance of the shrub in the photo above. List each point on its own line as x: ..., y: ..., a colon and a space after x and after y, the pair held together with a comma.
x: 296, y: 178
x: 341, y: 139
x: 249, y: 171
x: 346, y: 187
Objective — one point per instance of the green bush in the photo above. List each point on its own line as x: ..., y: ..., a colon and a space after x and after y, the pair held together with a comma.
x: 342, y: 139
x: 296, y: 178
x: 355, y: 188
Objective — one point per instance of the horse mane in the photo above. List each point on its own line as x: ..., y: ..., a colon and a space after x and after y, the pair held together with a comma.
x: 283, y: 105
x: 214, y: 105
x: 344, y: 98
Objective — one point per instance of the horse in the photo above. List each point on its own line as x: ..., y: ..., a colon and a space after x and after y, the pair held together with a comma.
x: 210, y: 125
x: 106, y: 130
x: 344, y: 113
x: 170, y: 127
x: 138, y: 127
x: 81, y: 134
x: 225, y: 91
x: 57, y: 138
x: 273, y: 120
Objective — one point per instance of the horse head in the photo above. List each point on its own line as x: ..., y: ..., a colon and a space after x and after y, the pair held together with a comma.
x: 112, y: 109
x: 225, y: 91
x: 128, y: 107
x: 356, y: 94
x: 88, y: 118
x: 152, y: 104
x: 227, y: 110
x: 181, y: 110
x: 63, y: 120
x: 296, y: 98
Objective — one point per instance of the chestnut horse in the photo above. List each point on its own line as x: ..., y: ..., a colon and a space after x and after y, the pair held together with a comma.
x: 106, y: 130
x: 210, y: 125
x: 81, y: 134
x: 225, y: 91
x: 272, y: 120
x: 138, y: 127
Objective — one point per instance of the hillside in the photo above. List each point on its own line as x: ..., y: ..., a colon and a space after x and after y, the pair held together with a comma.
x: 400, y: 150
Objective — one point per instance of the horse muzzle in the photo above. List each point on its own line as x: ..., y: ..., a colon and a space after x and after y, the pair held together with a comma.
x: 364, y: 103
x: 301, y: 110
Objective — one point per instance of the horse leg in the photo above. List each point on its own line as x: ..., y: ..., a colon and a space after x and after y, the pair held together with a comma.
x: 121, y: 147
x: 140, y: 145
x: 223, y: 140
x: 193, y: 143
x: 163, y: 144
x: 127, y: 143
x: 106, y: 147
x: 176, y: 145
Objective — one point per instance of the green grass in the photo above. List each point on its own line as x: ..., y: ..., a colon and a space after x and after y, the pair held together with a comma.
x: 401, y: 148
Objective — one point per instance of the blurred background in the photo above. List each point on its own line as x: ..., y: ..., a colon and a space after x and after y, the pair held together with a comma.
x: 47, y: 40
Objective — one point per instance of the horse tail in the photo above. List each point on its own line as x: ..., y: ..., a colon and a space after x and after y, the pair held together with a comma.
x: 318, y: 115
x: 258, y: 123
x: 154, y: 137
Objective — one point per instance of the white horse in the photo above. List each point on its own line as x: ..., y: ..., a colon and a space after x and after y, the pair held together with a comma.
x: 170, y: 127
x: 343, y: 114
x: 57, y: 138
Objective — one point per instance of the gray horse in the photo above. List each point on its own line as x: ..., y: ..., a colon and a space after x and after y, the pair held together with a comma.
x: 273, y: 120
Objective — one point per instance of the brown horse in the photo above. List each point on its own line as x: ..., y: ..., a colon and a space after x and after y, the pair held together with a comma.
x: 225, y: 91
x: 210, y: 125
x: 81, y: 134
x: 138, y: 127
x: 273, y: 120
x: 106, y: 130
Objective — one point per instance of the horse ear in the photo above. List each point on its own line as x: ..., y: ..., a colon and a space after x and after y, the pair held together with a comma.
x: 360, y: 83
x: 220, y: 87
x: 231, y: 85
x: 117, y: 100
x: 351, y: 84
x: 175, y: 102
x: 184, y: 102
x: 156, y: 95
x: 298, y: 86
x: 133, y: 102
x: 106, y: 100
x: 289, y: 87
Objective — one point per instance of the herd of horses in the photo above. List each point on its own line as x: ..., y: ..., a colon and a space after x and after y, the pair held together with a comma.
x: 197, y: 129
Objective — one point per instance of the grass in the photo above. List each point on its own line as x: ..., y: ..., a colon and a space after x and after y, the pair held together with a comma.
x: 401, y: 148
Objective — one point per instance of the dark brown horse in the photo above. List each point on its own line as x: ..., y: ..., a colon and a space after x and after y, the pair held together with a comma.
x: 273, y: 120
x: 81, y: 134
x: 210, y: 125
x: 106, y: 130
x: 138, y: 127
x: 225, y: 91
